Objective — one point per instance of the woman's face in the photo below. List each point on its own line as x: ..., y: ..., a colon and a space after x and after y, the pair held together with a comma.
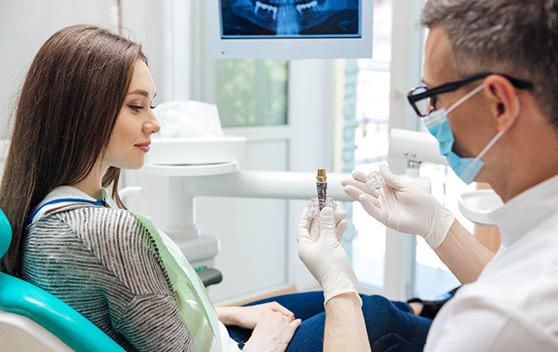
x: 131, y: 136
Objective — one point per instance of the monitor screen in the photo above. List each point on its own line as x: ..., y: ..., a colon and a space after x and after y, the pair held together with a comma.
x: 291, y: 29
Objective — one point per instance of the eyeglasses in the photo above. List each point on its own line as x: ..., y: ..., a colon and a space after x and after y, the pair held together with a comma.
x: 423, y: 100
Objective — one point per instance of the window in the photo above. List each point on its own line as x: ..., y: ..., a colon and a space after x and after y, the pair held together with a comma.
x: 248, y: 92
x: 252, y: 92
x: 426, y: 276
x: 371, y: 140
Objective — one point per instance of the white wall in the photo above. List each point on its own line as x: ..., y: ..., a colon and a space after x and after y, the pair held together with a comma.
x: 25, y: 26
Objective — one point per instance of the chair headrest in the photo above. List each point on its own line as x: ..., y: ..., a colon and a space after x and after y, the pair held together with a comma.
x: 5, y: 234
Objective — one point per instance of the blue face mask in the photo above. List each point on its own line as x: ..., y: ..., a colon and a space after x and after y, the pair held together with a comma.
x: 437, y: 123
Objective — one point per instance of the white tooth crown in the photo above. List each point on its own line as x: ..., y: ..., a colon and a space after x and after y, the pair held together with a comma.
x: 265, y: 7
x: 309, y: 5
x: 271, y: 8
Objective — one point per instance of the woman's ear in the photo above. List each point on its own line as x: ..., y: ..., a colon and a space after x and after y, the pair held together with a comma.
x: 505, y: 105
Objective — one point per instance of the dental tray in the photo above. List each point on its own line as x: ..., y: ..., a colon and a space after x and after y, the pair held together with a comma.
x: 476, y: 205
x: 196, y: 151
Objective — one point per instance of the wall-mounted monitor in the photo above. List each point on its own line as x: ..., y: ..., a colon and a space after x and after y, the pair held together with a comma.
x: 290, y: 29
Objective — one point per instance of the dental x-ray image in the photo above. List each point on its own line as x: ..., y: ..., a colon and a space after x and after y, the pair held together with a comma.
x: 290, y: 18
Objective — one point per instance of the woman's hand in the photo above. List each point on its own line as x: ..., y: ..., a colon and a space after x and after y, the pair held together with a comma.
x: 248, y: 317
x: 273, y: 332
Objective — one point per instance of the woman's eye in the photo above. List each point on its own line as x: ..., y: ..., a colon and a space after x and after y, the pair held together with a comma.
x: 136, y: 107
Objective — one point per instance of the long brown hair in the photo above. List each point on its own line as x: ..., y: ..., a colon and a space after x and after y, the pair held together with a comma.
x: 69, y: 102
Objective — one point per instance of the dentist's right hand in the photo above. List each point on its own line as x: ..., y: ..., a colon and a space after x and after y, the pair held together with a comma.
x: 402, y: 205
x: 320, y: 249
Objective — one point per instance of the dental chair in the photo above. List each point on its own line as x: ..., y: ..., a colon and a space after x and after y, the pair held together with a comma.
x: 32, y: 319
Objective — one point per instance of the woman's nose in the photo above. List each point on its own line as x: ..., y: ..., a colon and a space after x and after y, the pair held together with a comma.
x: 152, y: 125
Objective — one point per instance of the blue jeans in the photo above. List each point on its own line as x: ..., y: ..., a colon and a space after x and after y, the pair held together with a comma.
x: 391, y: 326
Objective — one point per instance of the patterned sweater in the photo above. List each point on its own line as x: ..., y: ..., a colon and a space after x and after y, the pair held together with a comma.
x: 103, y: 263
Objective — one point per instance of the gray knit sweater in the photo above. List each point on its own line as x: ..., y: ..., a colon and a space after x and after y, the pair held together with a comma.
x: 104, y: 264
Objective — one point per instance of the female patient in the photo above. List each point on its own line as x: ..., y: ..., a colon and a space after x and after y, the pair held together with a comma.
x: 83, y: 114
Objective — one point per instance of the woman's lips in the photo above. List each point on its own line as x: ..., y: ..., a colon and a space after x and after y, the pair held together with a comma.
x: 144, y: 147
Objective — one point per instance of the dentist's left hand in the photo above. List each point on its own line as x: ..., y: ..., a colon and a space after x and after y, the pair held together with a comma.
x: 320, y: 249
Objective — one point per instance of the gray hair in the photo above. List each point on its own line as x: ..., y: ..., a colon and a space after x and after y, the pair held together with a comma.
x: 519, y: 38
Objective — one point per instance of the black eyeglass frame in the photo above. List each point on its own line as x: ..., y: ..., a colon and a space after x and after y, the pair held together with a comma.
x: 455, y: 85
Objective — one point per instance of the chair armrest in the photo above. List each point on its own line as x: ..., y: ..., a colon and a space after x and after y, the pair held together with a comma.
x: 210, y: 276
x: 21, y: 297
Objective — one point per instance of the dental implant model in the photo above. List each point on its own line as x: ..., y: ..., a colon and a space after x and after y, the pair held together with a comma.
x: 321, y: 186
x: 374, y: 180
x: 317, y: 204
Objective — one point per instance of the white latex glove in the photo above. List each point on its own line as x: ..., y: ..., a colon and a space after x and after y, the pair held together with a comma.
x: 320, y: 250
x: 402, y: 205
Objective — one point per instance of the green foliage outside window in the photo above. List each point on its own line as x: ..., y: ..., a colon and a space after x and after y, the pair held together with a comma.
x: 252, y: 92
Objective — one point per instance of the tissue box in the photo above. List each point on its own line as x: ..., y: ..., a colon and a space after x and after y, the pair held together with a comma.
x: 188, y: 151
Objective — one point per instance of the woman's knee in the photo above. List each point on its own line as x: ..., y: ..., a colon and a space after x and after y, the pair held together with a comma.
x: 381, y: 311
x: 391, y: 326
x: 377, y: 303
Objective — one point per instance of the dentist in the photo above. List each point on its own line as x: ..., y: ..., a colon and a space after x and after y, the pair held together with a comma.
x: 489, y: 96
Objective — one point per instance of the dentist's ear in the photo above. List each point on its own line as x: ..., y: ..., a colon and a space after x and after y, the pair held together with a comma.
x: 505, y: 101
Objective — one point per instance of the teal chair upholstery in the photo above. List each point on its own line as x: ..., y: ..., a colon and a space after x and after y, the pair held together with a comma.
x: 32, y: 319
